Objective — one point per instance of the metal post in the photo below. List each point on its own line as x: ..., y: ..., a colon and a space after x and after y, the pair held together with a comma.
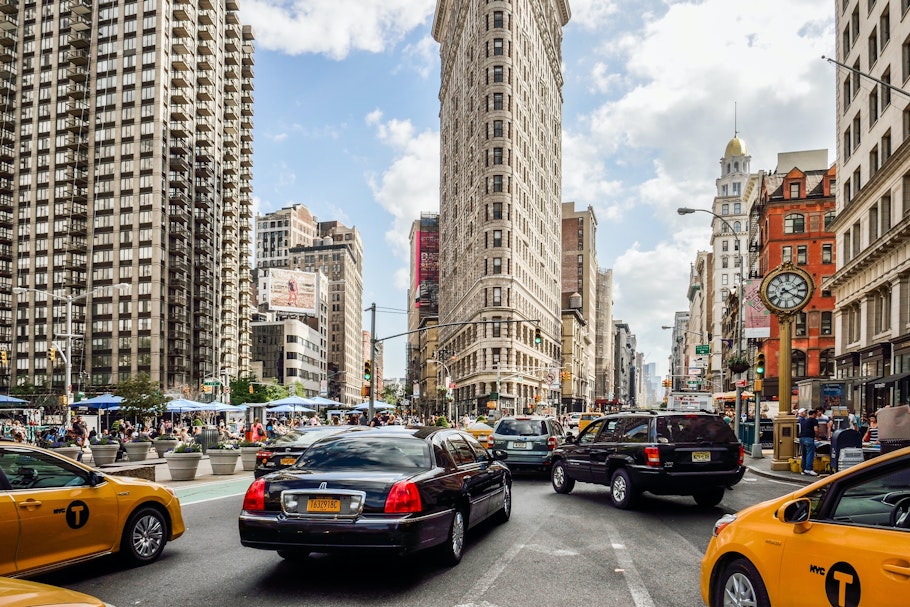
x: 372, y: 408
x: 69, y: 347
x: 756, y: 443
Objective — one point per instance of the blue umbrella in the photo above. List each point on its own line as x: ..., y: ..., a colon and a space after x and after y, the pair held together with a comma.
x: 10, y: 399
x: 291, y: 409
x: 104, y: 401
x: 378, y: 405
x: 291, y: 400
x: 323, y: 402
x: 182, y: 404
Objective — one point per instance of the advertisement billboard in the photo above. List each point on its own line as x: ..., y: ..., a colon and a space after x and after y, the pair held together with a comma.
x: 293, y: 291
x: 757, y: 319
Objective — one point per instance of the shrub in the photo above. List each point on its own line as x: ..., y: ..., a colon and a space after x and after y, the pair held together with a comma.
x: 188, y: 448
x: 223, y: 445
x: 166, y: 437
x: 442, y: 422
x: 101, y: 439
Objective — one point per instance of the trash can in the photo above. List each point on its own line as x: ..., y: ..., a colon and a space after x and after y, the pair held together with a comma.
x: 747, y: 433
x: 841, y: 439
x: 207, y: 437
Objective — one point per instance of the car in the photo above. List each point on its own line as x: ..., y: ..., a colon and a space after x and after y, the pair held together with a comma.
x: 395, y: 491
x: 842, y: 540
x: 586, y: 418
x: 528, y: 439
x: 23, y: 593
x: 573, y: 419
x: 55, y: 512
x: 662, y: 452
x: 283, y: 451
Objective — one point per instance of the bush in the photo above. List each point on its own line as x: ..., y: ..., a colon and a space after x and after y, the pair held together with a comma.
x: 188, y: 448
x: 197, y: 422
x: 249, y: 443
x: 142, y: 438
x: 166, y: 437
x: 223, y: 445
x: 100, y: 439
x: 442, y: 422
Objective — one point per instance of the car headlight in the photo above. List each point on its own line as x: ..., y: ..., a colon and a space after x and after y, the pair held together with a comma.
x: 722, y: 523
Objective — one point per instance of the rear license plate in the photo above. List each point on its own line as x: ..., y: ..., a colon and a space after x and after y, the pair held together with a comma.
x: 323, y: 504
x: 701, y: 456
x: 516, y: 445
x: 288, y: 461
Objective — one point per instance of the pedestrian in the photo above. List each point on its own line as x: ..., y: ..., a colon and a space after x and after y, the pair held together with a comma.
x: 808, y: 430
x: 258, y: 433
x: 872, y: 431
x: 824, y: 424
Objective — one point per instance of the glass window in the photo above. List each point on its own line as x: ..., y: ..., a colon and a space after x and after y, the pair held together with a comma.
x: 357, y: 451
x: 802, y: 254
x: 693, y: 428
x: 497, y: 73
x: 636, y: 430
x: 497, y: 46
x: 26, y: 469
x: 521, y: 427
x: 872, y: 499
x: 590, y: 432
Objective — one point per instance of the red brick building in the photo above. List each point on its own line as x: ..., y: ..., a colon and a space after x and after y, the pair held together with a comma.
x: 793, y: 214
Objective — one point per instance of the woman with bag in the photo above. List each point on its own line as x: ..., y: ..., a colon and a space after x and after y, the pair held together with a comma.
x: 258, y: 433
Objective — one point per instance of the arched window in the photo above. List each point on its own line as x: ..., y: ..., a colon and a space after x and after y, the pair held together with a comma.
x: 798, y: 363
x: 737, y: 227
x: 736, y: 166
x: 794, y: 223
x: 826, y: 363
x: 728, y: 167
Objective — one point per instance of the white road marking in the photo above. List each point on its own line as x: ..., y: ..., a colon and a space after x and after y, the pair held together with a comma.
x: 637, y: 588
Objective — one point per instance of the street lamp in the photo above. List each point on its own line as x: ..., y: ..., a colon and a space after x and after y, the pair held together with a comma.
x: 742, y: 297
x: 69, y: 299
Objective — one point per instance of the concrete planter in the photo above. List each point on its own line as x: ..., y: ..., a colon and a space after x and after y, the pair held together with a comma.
x: 248, y: 457
x: 163, y: 446
x: 137, y: 452
x: 104, y: 454
x: 182, y: 466
x: 224, y: 461
x: 70, y: 452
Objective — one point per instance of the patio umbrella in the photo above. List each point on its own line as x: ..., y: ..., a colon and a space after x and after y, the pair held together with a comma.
x: 104, y: 401
x: 319, y: 401
x: 182, y: 404
x: 291, y: 400
x: 10, y: 399
x: 291, y: 409
x: 378, y: 405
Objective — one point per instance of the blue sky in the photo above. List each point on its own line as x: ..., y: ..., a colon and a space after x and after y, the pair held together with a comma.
x: 347, y: 123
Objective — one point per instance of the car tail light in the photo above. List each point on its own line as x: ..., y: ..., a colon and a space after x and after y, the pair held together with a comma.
x: 652, y: 456
x: 490, y: 441
x: 255, y: 496
x: 551, y: 443
x: 742, y: 454
x: 403, y: 498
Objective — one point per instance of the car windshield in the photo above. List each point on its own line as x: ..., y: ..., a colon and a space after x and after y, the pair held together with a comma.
x: 521, y: 427
x: 301, y: 438
x: 694, y: 429
x: 367, y: 452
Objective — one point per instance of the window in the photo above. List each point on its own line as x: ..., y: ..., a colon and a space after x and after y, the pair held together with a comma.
x: 498, y: 19
x: 497, y: 155
x: 737, y: 208
x: 786, y: 254
x: 497, y: 265
x: 497, y: 73
x: 826, y: 362
x: 725, y: 209
x: 827, y: 323
x: 497, y: 210
x: 497, y: 183
x: 497, y: 46
x: 830, y: 216
x: 497, y: 238
x: 802, y: 255
x: 636, y: 430
x: 798, y: 365
x: 794, y: 223
x: 497, y: 101
x: 794, y: 189
x: 497, y: 296
x: 497, y: 329
x: 827, y: 253
x: 873, y: 487
x: 799, y: 325
x: 497, y: 128
x: 42, y: 470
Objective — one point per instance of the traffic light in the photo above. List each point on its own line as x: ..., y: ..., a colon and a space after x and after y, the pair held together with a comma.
x: 537, y: 337
x: 365, y: 391
x: 52, y: 354
x: 3, y: 357
x: 368, y: 370
x: 760, y: 365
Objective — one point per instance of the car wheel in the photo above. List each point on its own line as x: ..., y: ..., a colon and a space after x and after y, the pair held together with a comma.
x: 709, y: 498
x: 450, y: 551
x: 144, y: 536
x: 293, y: 554
x: 559, y: 476
x: 505, y: 513
x: 740, y: 585
x: 622, y: 492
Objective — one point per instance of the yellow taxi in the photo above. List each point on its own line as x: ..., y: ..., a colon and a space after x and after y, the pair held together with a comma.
x: 843, y: 541
x: 22, y: 593
x: 586, y: 418
x: 56, y: 512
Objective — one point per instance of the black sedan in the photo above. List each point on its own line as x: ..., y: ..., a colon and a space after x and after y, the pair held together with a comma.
x: 399, y: 491
x: 283, y: 451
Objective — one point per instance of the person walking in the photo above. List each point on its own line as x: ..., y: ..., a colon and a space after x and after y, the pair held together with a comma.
x: 872, y: 431
x: 808, y: 429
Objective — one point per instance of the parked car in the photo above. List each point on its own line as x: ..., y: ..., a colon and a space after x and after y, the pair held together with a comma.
x: 528, y: 439
x: 55, y: 512
x: 841, y: 541
x: 283, y: 451
x: 662, y: 452
x: 396, y: 491
x: 22, y: 593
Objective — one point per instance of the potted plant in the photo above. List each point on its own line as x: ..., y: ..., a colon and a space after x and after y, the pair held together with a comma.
x: 737, y: 363
x: 104, y: 449
x: 67, y: 448
x: 183, y: 461
x: 223, y: 457
x: 248, y: 451
x: 138, y: 448
x: 164, y: 443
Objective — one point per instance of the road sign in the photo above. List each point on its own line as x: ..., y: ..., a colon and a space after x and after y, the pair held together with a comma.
x: 212, y: 383
x: 740, y: 383
x: 551, y: 377
x: 703, y: 349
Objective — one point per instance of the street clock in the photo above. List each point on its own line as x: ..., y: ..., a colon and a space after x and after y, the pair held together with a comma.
x: 787, y: 289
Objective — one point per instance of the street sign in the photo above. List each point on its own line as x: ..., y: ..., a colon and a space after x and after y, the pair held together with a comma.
x: 212, y: 383
x: 703, y: 349
x: 741, y: 383
x: 695, y: 370
x: 693, y: 383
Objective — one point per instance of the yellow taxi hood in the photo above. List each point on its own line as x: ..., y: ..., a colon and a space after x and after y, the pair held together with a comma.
x: 23, y: 593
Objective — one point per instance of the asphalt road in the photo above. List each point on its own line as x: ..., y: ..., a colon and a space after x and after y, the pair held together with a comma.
x: 557, y: 550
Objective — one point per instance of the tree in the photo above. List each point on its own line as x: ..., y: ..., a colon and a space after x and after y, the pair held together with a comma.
x: 142, y: 398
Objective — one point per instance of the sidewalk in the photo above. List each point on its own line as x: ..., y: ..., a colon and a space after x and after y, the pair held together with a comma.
x: 762, y: 467
x: 204, y: 473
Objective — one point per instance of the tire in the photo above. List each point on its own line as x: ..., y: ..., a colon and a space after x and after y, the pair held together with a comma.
x: 293, y: 554
x: 710, y: 497
x: 739, y: 585
x: 622, y: 492
x: 559, y: 476
x: 144, y: 536
x: 505, y: 513
x: 451, y: 550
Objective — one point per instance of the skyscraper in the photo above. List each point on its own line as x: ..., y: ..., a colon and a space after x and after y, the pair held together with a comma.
x: 126, y: 160
x: 500, y: 196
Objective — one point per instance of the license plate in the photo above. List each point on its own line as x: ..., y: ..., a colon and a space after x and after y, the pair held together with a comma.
x: 701, y: 456
x: 288, y: 461
x: 521, y: 445
x: 323, y: 504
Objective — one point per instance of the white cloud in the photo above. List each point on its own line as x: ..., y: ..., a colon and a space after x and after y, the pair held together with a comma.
x: 592, y: 14
x: 333, y: 27
x: 422, y: 57
x: 409, y: 186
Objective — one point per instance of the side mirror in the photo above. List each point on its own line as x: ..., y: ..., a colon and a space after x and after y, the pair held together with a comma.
x: 499, y: 454
x: 570, y: 438
x: 95, y: 478
x: 796, y: 513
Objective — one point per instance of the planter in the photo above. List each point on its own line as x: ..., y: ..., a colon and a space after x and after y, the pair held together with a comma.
x: 104, y: 454
x: 248, y: 457
x: 70, y: 452
x: 182, y: 466
x: 739, y: 367
x: 207, y: 437
x: 224, y: 461
x: 137, y: 452
x: 163, y: 446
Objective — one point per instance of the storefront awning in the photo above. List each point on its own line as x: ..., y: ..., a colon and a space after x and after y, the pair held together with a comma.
x: 890, y: 379
x: 732, y: 395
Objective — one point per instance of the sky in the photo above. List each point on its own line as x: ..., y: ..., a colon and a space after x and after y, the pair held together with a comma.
x: 346, y: 122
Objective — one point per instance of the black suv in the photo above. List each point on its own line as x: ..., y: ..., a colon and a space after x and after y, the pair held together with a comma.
x: 663, y: 452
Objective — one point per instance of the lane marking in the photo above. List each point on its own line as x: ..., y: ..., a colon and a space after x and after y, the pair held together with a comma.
x: 637, y: 588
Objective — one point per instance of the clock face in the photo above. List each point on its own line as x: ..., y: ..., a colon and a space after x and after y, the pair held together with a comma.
x: 787, y: 290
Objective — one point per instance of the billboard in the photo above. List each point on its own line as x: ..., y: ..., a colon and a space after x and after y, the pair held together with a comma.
x: 293, y: 291
x: 757, y: 319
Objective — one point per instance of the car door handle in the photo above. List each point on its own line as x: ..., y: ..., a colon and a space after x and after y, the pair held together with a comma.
x: 901, y: 570
x: 29, y: 504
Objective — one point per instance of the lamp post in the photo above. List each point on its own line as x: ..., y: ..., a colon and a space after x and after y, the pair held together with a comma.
x: 69, y: 299
x: 741, y: 297
x: 445, y: 367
